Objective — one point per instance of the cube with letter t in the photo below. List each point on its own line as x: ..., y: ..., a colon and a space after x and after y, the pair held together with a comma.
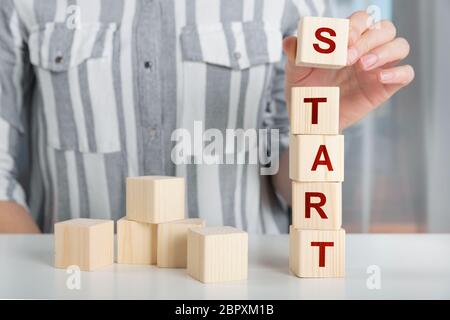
x: 317, y: 253
x: 315, y: 110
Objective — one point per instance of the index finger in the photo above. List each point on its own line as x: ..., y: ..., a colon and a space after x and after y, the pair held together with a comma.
x: 294, y: 73
x: 290, y: 48
x: 359, y: 23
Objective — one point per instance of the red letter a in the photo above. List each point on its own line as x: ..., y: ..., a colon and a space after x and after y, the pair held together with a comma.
x: 325, y: 162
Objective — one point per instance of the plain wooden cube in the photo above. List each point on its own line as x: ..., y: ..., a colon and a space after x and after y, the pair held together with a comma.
x: 217, y: 254
x: 315, y: 110
x: 316, y: 158
x: 86, y: 243
x: 172, y: 242
x: 155, y: 199
x: 322, y: 42
x: 136, y: 242
x: 317, y: 254
x: 317, y: 205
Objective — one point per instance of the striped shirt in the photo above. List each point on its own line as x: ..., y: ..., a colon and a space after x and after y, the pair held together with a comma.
x: 91, y: 91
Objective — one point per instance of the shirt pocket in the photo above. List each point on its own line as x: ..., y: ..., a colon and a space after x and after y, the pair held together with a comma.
x: 234, y: 45
x: 227, y: 73
x: 75, y: 72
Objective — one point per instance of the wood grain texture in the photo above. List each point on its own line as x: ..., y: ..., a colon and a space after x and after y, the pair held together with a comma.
x: 136, y: 242
x: 326, y: 118
x: 303, y: 151
x: 217, y: 254
x: 172, y: 242
x: 304, y: 257
x: 308, y: 56
x: 86, y: 243
x: 155, y: 199
x: 307, y: 216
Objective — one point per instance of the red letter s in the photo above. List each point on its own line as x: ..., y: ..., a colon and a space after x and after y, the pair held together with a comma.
x: 330, y: 42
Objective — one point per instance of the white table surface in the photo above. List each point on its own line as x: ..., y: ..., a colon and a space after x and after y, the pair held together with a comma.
x: 412, y: 267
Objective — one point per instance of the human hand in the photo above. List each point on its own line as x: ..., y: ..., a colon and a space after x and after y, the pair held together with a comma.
x: 373, y: 73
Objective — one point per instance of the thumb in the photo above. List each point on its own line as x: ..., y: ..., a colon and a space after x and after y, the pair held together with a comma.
x: 294, y: 74
x: 290, y: 48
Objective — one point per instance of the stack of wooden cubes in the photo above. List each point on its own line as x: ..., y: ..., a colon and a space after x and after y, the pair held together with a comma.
x: 154, y: 232
x: 317, y: 241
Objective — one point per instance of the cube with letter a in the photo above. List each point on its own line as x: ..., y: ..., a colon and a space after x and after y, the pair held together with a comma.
x: 316, y: 158
x: 317, y: 253
x: 322, y: 42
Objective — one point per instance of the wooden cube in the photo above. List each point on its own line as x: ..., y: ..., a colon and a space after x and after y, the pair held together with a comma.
x: 317, y: 254
x: 322, y: 42
x: 86, y: 243
x: 155, y: 199
x: 136, y: 242
x: 316, y: 158
x: 172, y: 242
x: 317, y: 205
x: 217, y: 254
x: 315, y: 110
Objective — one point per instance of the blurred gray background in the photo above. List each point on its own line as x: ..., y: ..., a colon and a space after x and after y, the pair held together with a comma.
x: 398, y: 159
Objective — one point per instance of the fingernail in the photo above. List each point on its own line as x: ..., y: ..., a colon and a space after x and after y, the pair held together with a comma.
x: 387, y: 76
x: 352, y: 56
x: 369, y: 61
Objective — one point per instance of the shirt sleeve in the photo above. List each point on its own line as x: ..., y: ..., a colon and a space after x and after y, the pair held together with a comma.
x: 12, y: 83
x: 275, y: 115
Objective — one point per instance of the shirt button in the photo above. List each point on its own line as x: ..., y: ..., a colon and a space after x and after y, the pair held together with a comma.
x: 237, y: 55
x: 152, y: 133
x: 59, y: 59
x: 148, y: 65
